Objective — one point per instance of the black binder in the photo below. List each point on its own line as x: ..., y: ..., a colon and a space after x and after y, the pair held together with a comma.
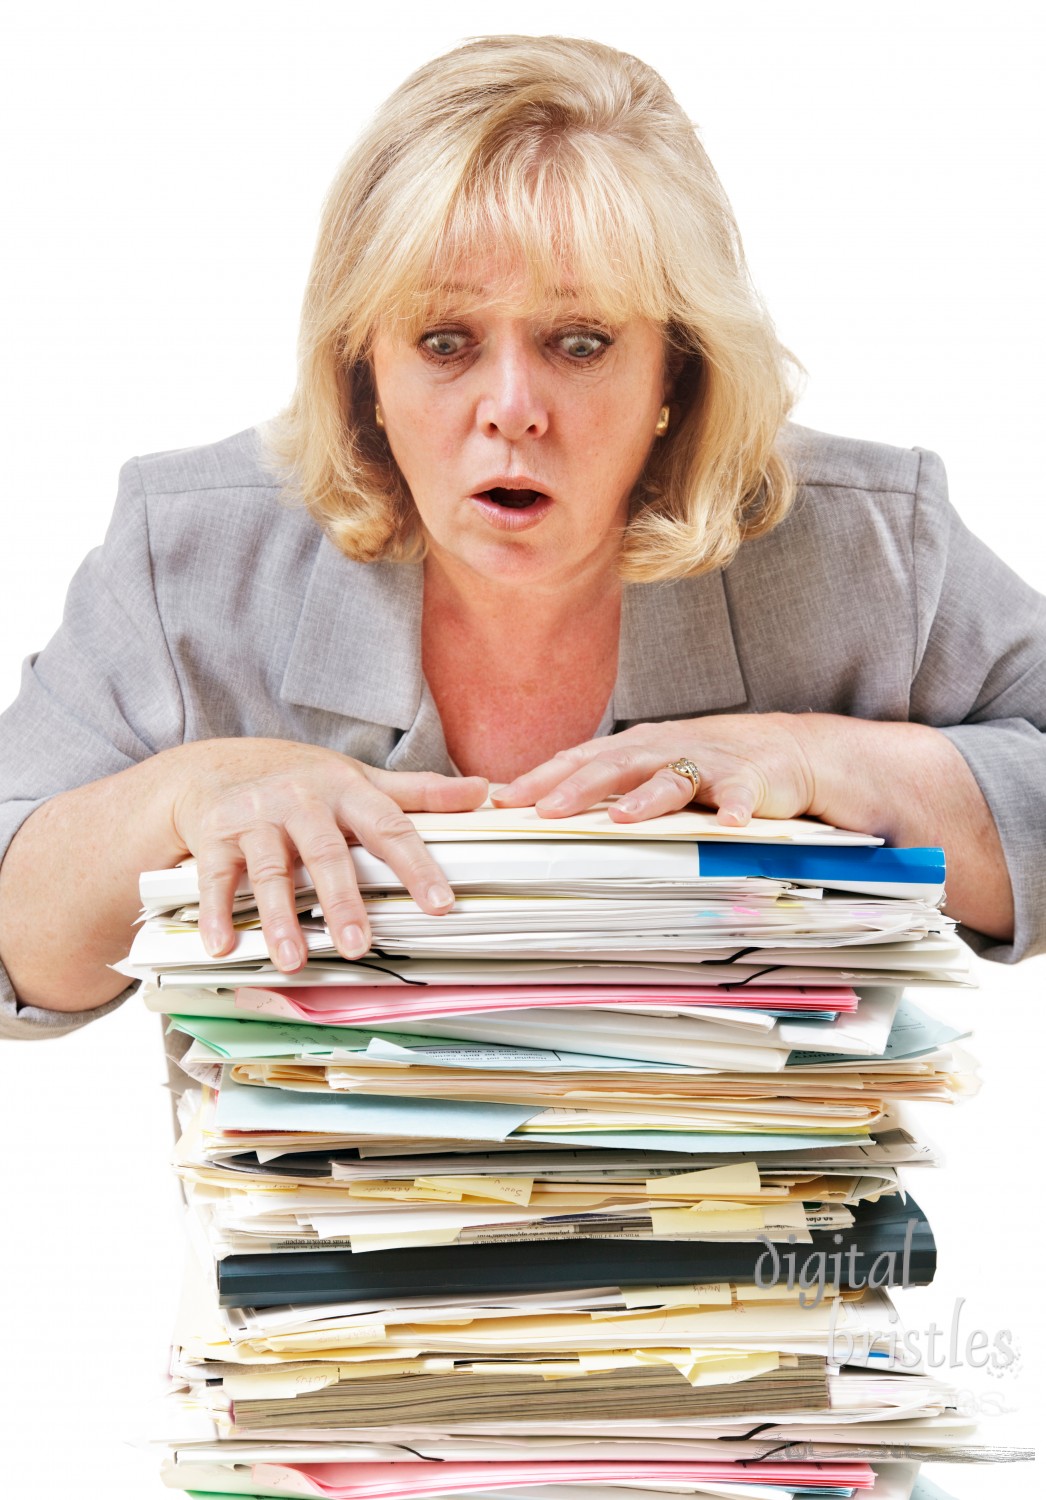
x: 890, y: 1243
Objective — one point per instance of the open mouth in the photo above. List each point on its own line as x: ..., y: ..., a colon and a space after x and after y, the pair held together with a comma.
x: 511, y: 499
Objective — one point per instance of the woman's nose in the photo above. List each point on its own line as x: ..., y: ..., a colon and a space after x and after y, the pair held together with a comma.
x: 513, y: 403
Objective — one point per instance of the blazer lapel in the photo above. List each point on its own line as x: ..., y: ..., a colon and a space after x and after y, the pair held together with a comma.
x: 677, y: 657
x: 356, y: 652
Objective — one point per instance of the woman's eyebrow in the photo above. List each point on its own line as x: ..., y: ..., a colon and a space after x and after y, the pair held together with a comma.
x: 459, y: 289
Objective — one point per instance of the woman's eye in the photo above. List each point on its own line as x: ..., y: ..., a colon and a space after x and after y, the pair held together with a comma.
x: 582, y: 345
x: 444, y: 345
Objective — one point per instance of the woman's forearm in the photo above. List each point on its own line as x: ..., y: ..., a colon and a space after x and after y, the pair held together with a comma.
x: 909, y: 784
x: 69, y: 882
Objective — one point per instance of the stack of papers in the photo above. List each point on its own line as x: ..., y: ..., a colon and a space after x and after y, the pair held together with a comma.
x: 593, y: 1181
x: 369, y: 1479
x: 585, y: 900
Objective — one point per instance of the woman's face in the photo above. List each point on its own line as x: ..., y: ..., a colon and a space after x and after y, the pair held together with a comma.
x: 520, y: 437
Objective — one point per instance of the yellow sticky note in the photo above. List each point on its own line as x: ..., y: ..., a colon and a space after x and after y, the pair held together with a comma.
x: 691, y: 1221
x: 714, y: 1366
x: 736, y: 1180
x: 278, y: 1385
x: 378, y: 1368
x: 555, y: 1369
x: 567, y: 1369
x: 717, y: 1294
x: 494, y: 1189
x: 401, y: 1191
x: 610, y: 1359
x: 731, y: 1371
x: 781, y: 1293
x: 718, y: 1206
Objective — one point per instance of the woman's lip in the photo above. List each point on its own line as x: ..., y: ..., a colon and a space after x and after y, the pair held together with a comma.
x: 505, y: 518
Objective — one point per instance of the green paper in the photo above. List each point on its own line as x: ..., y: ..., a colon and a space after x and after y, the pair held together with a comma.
x: 234, y: 1039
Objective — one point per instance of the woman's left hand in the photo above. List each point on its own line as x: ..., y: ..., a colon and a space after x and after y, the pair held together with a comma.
x: 748, y: 763
x: 904, y: 782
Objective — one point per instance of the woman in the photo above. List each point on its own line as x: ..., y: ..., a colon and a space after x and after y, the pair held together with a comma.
x: 551, y: 533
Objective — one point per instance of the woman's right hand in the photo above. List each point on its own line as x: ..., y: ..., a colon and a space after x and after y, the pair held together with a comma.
x: 260, y: 805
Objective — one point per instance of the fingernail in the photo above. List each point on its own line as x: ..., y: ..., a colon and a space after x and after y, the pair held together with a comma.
x: 441, y: 895
x: 554, y: 799
x: 288, y: 954
x: 212, y: 939
x: 353, y: 941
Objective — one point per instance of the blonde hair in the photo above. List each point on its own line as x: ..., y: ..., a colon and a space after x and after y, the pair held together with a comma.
x: 561, y: 153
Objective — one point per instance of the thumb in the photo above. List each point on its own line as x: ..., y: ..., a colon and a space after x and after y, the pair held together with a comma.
x: 428, y: 791
x: 736, y: 799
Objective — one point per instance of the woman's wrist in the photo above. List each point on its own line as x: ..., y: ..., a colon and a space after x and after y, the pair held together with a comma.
x: 908, y: 784
x: 69, y: 880
x: 890, y: 779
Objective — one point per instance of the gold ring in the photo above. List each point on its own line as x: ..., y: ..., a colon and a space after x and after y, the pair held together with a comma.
x: 684, y: 767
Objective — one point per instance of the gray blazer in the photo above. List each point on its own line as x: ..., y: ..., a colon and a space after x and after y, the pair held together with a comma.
x: 216, y: 608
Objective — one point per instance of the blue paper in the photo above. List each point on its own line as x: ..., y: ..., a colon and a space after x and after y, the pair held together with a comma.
x: 925, y: 1489
x: 696, y: 1141
x: 913, y: 1034
x: 245, y: 1106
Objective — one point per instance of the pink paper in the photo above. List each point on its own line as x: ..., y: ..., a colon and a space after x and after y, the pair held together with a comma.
x: 404, y: 1481
x: 370, y: 1005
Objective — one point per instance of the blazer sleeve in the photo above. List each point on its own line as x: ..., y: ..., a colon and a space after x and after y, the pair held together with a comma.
x: 102, y: 696
x: 980, y: 670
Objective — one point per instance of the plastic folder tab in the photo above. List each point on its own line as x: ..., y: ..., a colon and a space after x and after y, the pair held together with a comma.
x: 824, y: 863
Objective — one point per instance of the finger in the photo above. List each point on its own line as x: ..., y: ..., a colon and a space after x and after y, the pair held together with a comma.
x: 270, y: 865
x: 525, y: 790
x: 325, y: 854
x: 577, y: 778
x: 383, y: 828
x: 219, y: 867
x: 621, y: 770
x: 428, y: 791
x: 666, y: 791
x: 736, y: 800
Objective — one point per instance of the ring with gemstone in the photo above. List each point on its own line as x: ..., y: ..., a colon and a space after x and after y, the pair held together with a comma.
x: 684, y: 767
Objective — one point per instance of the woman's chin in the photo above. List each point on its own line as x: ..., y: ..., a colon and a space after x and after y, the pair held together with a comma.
x: 515, y: 559
x: 540, y: 552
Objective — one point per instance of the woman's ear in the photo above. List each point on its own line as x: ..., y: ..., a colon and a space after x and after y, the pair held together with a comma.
x: 675, y: 359
x: 684, y: 378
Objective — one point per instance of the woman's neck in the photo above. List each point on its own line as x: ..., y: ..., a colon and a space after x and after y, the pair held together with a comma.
x: 518, y: 674
x: 498, y: 611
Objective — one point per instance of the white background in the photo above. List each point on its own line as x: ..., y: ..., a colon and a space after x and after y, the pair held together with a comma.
x: 162, y: 174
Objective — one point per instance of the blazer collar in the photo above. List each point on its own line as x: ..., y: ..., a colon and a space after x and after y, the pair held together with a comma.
x: 356, y: 652
x: 677, y: 657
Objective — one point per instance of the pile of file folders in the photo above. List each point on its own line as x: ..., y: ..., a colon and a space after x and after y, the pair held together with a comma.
x: 589, y: 1186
